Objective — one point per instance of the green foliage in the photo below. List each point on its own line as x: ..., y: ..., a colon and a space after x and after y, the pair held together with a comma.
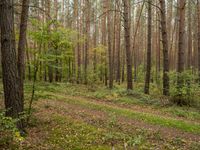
x: 55, y: 44
x: 10, y: 136
x: 184, y: 94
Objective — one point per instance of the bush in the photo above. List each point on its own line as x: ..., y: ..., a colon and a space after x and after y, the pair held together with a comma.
x: 10, y: 136
x: 184, y: 94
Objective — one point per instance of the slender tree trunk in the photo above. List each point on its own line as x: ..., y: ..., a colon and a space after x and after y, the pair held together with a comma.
x: 149, y: 36
x: 189, y: 56
x: 87, y: 32
x: 165, y: 48
x: 198, y: 11
x: 110, y: 57
x: 28, y: 61
x: 118, y: 45
x: 181, y: 48
x: 127, y: 43
x: 21, y: 47
x: 50, y: 68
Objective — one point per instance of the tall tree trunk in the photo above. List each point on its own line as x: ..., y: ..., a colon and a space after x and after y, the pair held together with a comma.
x: 87, y: 32
x: 127, y: 43
x: 189, y: 56
x: 21, y: 47
x: 109, y: 47
x: 198, y: 11
x: 50, y: 68
x: 13, y: 101
x: 165, y: 48
x: 181, y: 48
x: 118, y: 45
x: 149, y: 36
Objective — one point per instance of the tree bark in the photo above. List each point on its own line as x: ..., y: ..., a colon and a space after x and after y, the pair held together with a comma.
x: 110, y: 57
x: 165, y: 48
x: 198, y: 11
x: 149, y: 36
x: 13, y: 101
x: 127, y: 43
x: 181, y: 48
x: 21, y: 46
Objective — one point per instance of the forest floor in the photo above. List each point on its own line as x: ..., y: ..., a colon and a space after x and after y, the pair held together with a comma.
x: 77, y: 117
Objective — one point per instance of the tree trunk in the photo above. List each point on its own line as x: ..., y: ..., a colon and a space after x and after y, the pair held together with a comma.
x: 21, y: 47
x: 87, y: 32
x: 189, y: 56
x: 148, y: 67
x: 127, y: 43
x: 165, y: 48
x: 181, y: 49
x: 110, y: 57
x: 198, y: 11
x: 13, y: 101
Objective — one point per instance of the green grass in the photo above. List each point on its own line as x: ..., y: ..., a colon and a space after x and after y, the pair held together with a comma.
x: 70, y: 134
x: 118, y: 95
x: 148, y: 118
x: 65, y: 132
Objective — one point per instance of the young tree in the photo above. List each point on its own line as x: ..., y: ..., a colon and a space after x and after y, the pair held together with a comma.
x: 165, y: 48
x: 149, y: 36
x: 13, y: 101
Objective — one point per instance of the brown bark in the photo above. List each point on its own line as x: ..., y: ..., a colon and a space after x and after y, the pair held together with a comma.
x: 165, y: 49
x: 50, y: 69
x: 198, y: 11
x: 13, y: 101
x: 21, y: 46
x: 110, y: 57
x: 181, y: 48
x: 87, y: 33
x: 118, y: 45
x: 149, y: 36
x: 189, y: 55
x: 127, y: 43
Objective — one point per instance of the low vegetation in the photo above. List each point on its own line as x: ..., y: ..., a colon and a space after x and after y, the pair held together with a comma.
x: 71, y: 116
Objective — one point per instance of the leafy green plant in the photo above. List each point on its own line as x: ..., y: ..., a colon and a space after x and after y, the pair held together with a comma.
x: 10, y: 135
x: 184, y: 94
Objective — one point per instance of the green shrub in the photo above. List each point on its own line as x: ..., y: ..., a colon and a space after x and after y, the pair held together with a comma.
x: 184, y: 94
x: 10, y: 136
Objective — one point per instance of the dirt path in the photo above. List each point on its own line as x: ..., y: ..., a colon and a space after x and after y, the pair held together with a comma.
x: 134, y: 108
x: 79, y: 112
x: 101, y: 119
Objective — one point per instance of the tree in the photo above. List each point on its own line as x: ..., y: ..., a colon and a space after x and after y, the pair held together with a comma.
x: 165, y: 48
x: 181, y: 49
x: 13, y: 101
x: 148, y: 66
x: 87, y: 33
x: 110, y: 58
x: 127, y: 43
x: 189, y: 56
x: 198, y: 11
x: 21, y: 46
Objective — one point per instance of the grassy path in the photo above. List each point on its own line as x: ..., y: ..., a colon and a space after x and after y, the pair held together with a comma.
x: 77, y: 122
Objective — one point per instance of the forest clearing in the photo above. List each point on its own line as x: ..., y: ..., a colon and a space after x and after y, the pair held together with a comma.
x: 100, y: 75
